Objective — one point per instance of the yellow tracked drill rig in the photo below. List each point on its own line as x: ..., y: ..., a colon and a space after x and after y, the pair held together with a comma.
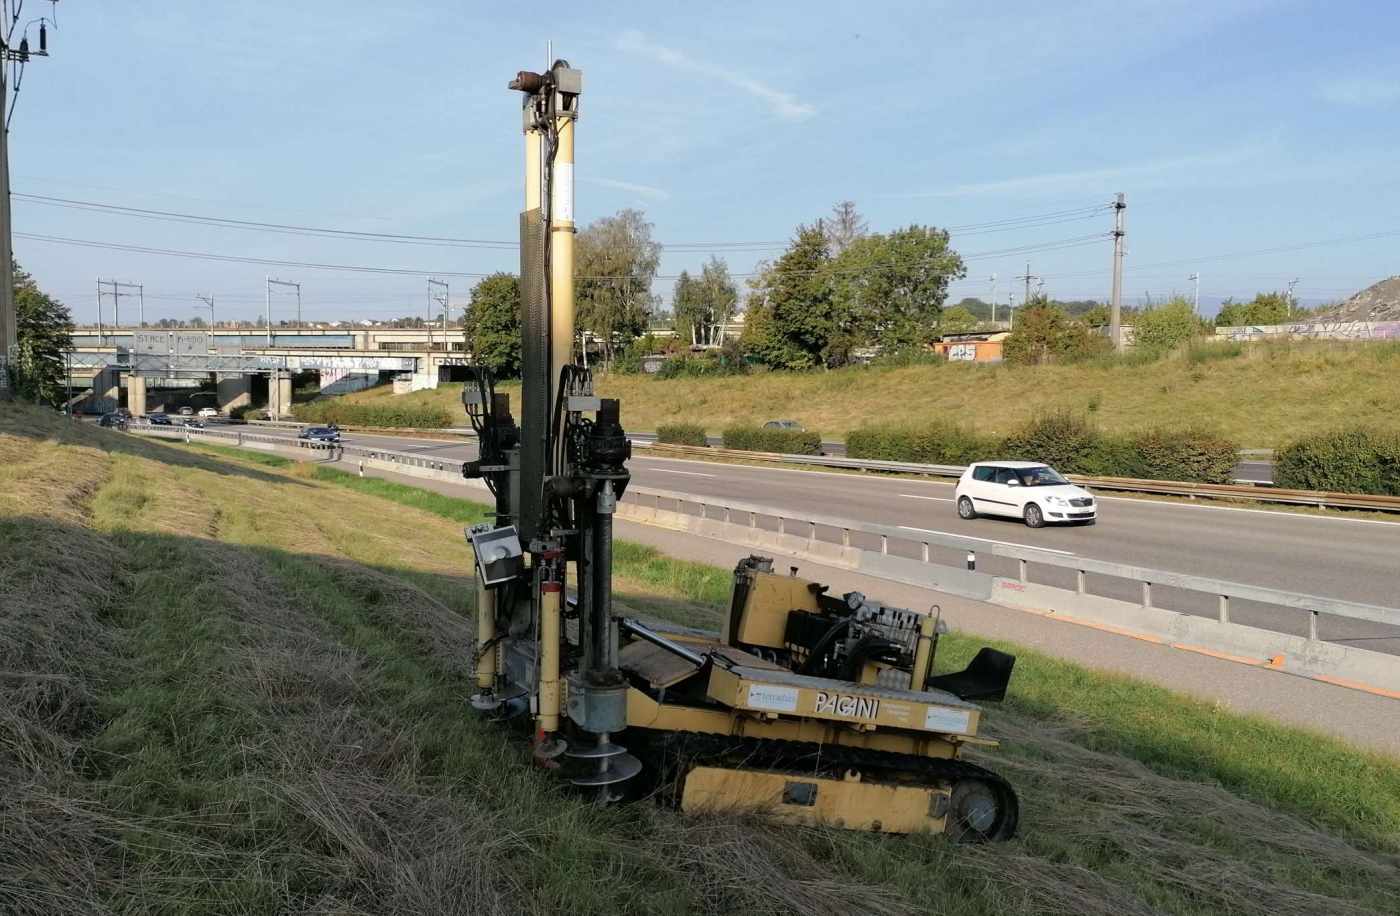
x: 812, y: 707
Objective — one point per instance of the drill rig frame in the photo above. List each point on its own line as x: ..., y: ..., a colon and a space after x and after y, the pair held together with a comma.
x: 817, y: 709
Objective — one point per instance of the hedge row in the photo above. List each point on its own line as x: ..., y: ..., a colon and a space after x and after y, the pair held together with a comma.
x: 1064, y: 441
x: 337, y: 410
x: 681, y: 434
x: 783, y: 441
x: 1345, y: 461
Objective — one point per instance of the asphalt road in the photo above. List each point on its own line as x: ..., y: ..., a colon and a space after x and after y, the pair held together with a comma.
x: 1356, y: 560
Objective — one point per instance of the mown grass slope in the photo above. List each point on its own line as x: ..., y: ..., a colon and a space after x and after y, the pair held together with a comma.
x: 1262, y: 396
x: 239, y: 686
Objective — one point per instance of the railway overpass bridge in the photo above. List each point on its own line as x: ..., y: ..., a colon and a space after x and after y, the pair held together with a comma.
x: 125, y: 366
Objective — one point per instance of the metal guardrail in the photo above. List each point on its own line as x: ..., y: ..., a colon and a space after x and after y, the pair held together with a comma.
x: 808, y: 525
x: 1319, y: 498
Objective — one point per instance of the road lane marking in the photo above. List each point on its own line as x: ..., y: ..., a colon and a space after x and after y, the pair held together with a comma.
x: 941, y: 499
x: 686, y: 473
x: 967, y: 537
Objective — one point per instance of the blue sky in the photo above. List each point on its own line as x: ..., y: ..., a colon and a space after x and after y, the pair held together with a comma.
x: 1232, y: 127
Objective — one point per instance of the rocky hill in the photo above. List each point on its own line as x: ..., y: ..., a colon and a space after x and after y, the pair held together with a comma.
x: 1378, y: 302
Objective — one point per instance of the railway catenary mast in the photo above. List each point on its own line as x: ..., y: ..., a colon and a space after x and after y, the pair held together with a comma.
x: 812, y: 707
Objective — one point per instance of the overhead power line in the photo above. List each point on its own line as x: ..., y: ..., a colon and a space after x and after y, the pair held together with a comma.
x: 419, y: 272
x: 1007, y: 224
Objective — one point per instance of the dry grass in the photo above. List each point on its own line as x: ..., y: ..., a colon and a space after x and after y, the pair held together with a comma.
x: 242, y: 690
x: 1262, y: 398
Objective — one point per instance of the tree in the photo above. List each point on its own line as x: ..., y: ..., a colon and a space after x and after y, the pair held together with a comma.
x: 845, y: 226
x: 704, y: 305
x: 957, y: 320
x: 615, y: 261
x: 795, y: 304
x: 492, y: 324
x: 1164, y: 328
x: 1045, y: 334
x: 890, y: 289
x: 1265, y: 308
x: 43, y: 328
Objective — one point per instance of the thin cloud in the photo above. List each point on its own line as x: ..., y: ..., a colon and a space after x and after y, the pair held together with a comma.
x: 644, y: 190
x: 783, y: 104
x: 1360, y: 92
x: 1057, y: 182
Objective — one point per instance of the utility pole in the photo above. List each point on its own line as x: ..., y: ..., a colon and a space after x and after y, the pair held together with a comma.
x: 271, y: 282
x: 18, y: 54
x: 117, y: 287
x: 1196, y: 294
x: 1028, y: 277
x: 1115, y: 315
x: 442, y: 299
x: 208, y: 304
x: 1292, y: 283
x: 993, y: 300
x: 101, y: 338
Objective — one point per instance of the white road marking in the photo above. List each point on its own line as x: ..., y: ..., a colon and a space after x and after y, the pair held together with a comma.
x: 941, y: 499
x: 686, y: 473
x: 1067, y: 553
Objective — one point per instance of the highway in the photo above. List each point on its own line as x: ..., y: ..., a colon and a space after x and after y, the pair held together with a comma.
x: 1352, y: 559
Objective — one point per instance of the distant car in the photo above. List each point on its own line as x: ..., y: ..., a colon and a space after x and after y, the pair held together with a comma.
x: 1028, y: 490
x: 186, y: 411
x: 159, y: 419
x: 784, y: 424
x: 192, y: 422
x: 208, y: 413
x: 111, y: 419
x: 320, y: 434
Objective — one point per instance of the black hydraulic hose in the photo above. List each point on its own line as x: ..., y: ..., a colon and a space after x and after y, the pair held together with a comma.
x: 835, y: 630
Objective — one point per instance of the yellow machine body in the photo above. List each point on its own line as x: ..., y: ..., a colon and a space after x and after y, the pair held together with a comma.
x: 892, y: 751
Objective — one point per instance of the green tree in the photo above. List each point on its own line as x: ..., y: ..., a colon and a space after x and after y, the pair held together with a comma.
x: 492, y: 324
x: 687, y: 307
x: 1264, y: 308
x: 615, y: 260
x: 794, y: 305
x: 704, y: 305
x: 1165, y: 327
x: 889, y: 289
x: 44, y: 329
x: 1045, y: 333
x: 957, y: 320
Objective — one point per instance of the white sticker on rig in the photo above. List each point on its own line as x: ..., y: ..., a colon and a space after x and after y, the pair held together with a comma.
x: 943, y: 719
x: 562, y: 202
x: 778, y: 699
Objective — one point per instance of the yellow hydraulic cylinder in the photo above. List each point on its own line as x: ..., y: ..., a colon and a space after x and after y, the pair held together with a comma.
x: 551, y: 597
x: 485, y: 637
x: 561, y: 252
x: 923, y: 653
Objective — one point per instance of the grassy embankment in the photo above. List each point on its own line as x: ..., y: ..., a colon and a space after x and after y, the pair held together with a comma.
x: 232, y: 684
x: 1262, y: 395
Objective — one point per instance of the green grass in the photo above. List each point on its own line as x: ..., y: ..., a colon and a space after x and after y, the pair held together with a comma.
x: 249, y: 455
x: 1262, y: 395
x: 246, y: 693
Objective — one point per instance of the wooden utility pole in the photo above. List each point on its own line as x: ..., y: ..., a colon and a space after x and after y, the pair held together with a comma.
x: 1115, y: 316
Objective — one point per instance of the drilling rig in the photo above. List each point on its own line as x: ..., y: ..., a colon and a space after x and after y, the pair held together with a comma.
x: 815, y: 708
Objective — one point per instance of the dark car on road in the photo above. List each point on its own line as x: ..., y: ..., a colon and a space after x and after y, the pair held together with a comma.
x: 329, y: 434
x: 111, y: 419
x: 159, y: 419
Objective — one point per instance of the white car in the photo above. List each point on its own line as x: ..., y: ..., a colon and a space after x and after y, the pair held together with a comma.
x: 1028, y: 490
x: 208, y: 413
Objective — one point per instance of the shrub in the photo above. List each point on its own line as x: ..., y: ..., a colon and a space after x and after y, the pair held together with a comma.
x: 1166, y: 327
x: 1347, y: 461
x: 1067, y: 442
x: 701, y: 365
x: 345, y: 413
x: 783, y: 441
x: 940, y: 443
x: 1205, y: 351
x: 681, y: 434
x: 1195, y: 455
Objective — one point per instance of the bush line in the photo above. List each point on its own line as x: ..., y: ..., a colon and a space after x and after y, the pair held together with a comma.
x: 348, y: 413
x: 782, y: 441
x: 681, y: 434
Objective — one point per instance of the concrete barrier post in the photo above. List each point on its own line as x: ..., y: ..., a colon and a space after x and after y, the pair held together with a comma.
x: 1079, y: 581
x: 971, y: 561
x: 1021, y: 569
x: 1147, y: 594
x: 1224, y: 616
x: 924, y: 553
x: 1312, y: 626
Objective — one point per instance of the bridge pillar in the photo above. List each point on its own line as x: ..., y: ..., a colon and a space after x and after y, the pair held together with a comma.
x: 279, y: 394
x: 233, y: 391
x: 425, y: 375
x: 106, y: 390
x: 136, y: 394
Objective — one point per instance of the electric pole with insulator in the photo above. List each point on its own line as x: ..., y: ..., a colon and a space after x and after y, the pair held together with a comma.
x: 1115, y: 315
x: 13, y: 55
